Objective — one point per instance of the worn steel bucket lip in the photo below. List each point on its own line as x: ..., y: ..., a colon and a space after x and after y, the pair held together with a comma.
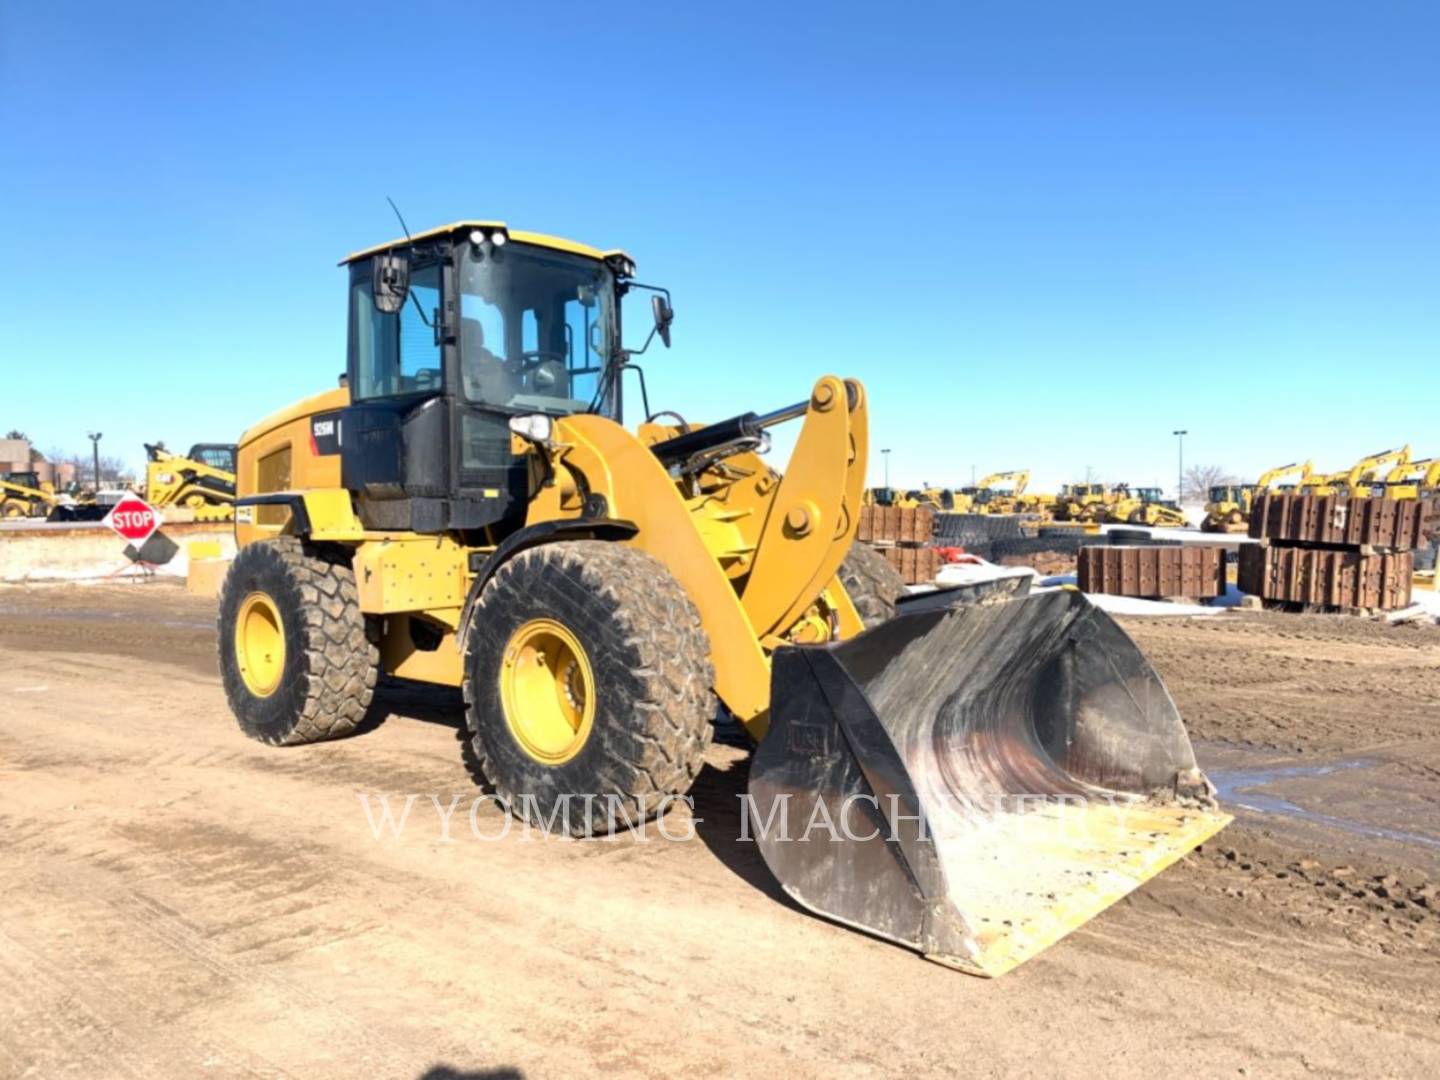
x: 972, y: 898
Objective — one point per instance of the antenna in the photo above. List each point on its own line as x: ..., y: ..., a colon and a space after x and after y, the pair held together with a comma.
x: 403, y: 227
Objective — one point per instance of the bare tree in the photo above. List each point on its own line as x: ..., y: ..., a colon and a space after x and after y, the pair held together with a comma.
x: 113, y: 470
x: 1199, y: 479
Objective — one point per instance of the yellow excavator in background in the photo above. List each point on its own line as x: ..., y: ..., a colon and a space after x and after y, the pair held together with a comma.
x: 1358, y: 480
x: 1365, y: 475
x: 1228, y: 507
x: 1415, y: 480
x: 999, y: 493
x: 985, y: 776
x: 202, y: 481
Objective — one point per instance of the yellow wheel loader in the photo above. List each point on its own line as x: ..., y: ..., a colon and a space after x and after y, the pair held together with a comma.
x: 1227, y: 508
x: 202, y: 481
x: 970, y: 780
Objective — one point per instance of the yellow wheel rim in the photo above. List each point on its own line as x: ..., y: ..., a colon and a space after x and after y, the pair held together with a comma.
x: 548, y: 691
x: 260, y: 644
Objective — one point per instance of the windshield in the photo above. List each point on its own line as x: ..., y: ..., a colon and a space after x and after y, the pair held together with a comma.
x: 217, y: 457
x: 536, y: 328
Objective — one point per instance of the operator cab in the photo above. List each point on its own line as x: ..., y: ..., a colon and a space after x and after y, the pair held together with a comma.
x: 453, y: 335
x: 23, y: 479
x: 216, y: 455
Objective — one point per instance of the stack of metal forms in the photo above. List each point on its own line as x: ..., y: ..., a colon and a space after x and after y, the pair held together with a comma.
x: 1335, y: 553
x: 1152, y: 571
x: 903, y: 537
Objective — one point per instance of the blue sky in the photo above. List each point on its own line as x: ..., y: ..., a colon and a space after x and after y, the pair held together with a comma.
x: 1045, y: 235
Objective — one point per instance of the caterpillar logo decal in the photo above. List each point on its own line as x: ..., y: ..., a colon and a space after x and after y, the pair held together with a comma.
x: 325, y: 434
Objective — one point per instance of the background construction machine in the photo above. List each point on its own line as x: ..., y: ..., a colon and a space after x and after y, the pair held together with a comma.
x: 1357, y: 481
x: 998, y: 493
x: 992, y: 775
x: 202, y: 481
x: 1228, y: 506
x: 24, y: 494
x: 1145, y: 506
x: 1087, y: 502
x: 1415, y: 480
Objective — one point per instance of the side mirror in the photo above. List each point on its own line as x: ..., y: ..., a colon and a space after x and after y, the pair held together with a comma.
x: 664, y: 316
x: 390, y: 283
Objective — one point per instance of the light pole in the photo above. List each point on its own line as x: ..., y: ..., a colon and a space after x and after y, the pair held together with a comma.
x: 1180, y: 468
x: 885, y: 456
x: 95, y: 437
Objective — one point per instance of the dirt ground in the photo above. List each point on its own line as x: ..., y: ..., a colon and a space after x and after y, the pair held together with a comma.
x: 176, y: 900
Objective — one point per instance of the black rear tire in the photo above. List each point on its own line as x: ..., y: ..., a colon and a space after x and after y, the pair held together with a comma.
x: 331, y: 657
x: 874, y: 586
x: 651, y: 681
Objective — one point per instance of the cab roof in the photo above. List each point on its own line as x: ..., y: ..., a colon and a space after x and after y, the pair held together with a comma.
x: 555, y: 243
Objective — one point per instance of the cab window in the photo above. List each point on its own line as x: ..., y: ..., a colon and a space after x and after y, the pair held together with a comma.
x: 395, y: 355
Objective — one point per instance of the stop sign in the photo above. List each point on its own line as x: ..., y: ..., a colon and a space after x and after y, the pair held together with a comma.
x: 134, y: 519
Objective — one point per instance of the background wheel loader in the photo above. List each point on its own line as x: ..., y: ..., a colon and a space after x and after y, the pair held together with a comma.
x: 469, y: 511
x: 1228, y: 506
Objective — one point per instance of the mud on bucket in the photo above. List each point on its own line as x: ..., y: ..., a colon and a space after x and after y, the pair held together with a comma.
x: 975, y: 782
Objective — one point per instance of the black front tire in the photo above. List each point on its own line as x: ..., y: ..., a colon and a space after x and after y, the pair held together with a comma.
x: 874, y: 586
x: 652, y: 685
x: 331, y: 656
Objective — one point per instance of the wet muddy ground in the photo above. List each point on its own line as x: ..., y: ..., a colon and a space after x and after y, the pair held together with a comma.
x: 176, y: 900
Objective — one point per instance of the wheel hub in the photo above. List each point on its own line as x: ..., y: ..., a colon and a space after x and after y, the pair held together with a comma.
x: 547, y: 690
x: 260, y: 644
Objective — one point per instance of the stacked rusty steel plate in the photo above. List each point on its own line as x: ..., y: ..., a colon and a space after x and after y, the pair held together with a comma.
x: 1327, y: 577
x: 917, y: 565
x: 892, y: 525
x: 1152, y: 571
x: 902, y: 536
x: 1331, y: 520
x: 1333, y: 552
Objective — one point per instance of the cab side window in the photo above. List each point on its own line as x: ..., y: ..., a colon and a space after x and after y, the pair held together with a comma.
x: 396, y: 355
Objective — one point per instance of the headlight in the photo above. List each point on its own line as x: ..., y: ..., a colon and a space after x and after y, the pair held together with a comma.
x: 536, y: 427
x: 498, y: 238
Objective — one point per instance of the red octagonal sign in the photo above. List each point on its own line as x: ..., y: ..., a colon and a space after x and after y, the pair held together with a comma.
x: 134, y: 519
